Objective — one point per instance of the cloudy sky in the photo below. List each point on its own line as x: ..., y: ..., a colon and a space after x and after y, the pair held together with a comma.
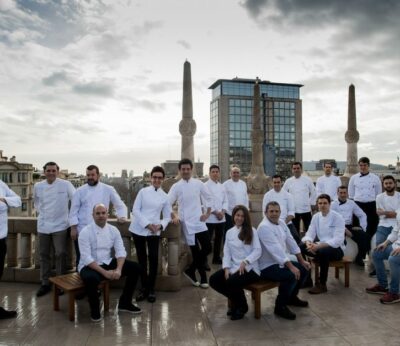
x: 100, y: 82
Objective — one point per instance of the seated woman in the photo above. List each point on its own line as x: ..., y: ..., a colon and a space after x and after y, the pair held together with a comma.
x: 324, y: 240
x: 146, y: 227
x: 239, y: 265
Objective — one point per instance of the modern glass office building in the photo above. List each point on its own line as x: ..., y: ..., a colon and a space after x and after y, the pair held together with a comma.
x: 231, y: 110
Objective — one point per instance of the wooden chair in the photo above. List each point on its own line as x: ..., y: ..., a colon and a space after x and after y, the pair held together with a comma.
x: 343, y: 263
x: 73, y: 285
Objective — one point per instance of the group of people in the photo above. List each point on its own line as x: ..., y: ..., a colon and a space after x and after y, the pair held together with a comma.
x: 276, y: 251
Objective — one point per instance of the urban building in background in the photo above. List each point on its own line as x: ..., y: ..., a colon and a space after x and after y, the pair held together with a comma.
x: 19, y: 177
x: 231, y: 110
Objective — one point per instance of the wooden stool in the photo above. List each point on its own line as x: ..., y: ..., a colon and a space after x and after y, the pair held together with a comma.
x: 343, y: 263
x: 256, y: 289
x: 73, y: 285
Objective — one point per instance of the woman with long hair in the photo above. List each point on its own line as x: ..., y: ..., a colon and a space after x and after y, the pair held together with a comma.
x: 239, y: 265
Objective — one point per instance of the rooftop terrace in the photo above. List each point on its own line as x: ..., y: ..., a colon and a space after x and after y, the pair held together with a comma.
x: 194, y: 316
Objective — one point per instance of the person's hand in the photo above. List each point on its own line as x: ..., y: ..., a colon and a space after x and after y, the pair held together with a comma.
x: 204, y: 217
x: 220, y: 215
x: 74, y: 233
x: 117, y: 274
x: 227, y: 273
x: 121, y: 220
x: 313, y: 248
x: 242, y: 268
x: 395, y: 252
x: 348, y: 233
x: 380, y: 211
x: 3, y: 200
x: 295, y: 271
x: 175, y: 220
x: 306, y: 264
x: 109, y: 274
x: 381, y: 247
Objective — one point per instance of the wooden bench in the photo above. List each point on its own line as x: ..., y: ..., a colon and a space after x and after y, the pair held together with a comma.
x: 256, y: 289
x: 73, y: 285
x: 343, y: 263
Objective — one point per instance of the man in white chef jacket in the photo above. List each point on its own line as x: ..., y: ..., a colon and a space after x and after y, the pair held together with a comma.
x: 236, y: 191
x: 8, y: 199
x: 191, y: 194
x: 52, y: 197
x: 302, y: 189
x: 328, y: 183
x: 216, y: 221
x: 86, y: 197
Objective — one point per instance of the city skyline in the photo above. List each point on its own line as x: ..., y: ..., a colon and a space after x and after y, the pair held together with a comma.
x: 101, y: 82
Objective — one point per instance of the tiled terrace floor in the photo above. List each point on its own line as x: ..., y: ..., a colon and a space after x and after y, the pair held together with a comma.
x: 195, y: 316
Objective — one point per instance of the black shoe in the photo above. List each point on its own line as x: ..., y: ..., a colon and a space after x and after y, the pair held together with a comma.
x: 142, y: 295
x: 151, y: 298
x: 359, y: 262
x: 7, y: 313
x: 44, y: 289
x: 284, y: 312
x: 372, y: 274
x: 229, y: 312
x: 237, y: 315
x: 217, y: 261
x: 95, y: 316
x: 192, y: 277
x: 207, y: 267
x: 296, y: 301
x: 133, y: 309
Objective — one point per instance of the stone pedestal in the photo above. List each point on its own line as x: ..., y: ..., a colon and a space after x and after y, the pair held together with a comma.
x: 256, y: 213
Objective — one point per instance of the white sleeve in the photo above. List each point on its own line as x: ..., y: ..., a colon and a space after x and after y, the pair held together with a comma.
x: 338, y: 235
x: 137, y: 210
x: 256, y: 252
x: 120, y: 207
x: 272, y: 245
x: 312, y: 230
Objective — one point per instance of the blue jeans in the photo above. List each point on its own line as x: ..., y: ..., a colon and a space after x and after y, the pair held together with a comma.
x: 289, y: 286
x: 382, y: 233
x: 394, y: 263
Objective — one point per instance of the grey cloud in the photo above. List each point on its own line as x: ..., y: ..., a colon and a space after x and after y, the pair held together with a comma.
x: 254, y: 7
x: 147, y: 27
x: 164, y: 86
x: 184, y: 44
x: 55, y: 78
x: 150, y: 105
x: 94, y: 88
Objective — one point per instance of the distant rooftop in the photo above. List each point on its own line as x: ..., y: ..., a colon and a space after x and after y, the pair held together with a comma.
x: 251, y: 81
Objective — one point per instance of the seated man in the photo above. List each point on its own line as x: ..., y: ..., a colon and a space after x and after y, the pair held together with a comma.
x: 348, y: 208
x: 388, y: 250
x: 275, y: 265
x: 326, y: 225
x: 96, y: 241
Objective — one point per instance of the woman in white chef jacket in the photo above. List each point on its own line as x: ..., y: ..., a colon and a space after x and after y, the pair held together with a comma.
x: 146, y: 227
x: 242, y: 249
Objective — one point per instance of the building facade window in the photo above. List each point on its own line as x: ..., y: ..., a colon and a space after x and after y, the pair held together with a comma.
x: 22, y: 177
x: 6, y: 177
x: 24, y: 206
x: 214, y: 132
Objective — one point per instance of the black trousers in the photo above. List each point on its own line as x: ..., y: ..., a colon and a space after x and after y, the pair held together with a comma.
x: 216, y: 229
x: 3, y: 251
x: 361, y: 239
x: 149, y: 272
x: 233, y: 287
x: 294, y: 233
x: 369, y: 208
x: 200, y: 250
x: 77, y: 253
x: 228, y: 223
x: 92, y: 278
x: 324, y: 256
x: 306, y: 217
x: 288, y: 285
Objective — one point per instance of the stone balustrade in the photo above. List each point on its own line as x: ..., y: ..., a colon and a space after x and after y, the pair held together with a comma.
x: 23, y: 262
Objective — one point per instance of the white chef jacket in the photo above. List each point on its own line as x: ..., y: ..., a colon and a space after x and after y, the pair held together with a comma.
x: 329, y: 229
x: 86, y: 197
x: 285, y: 201
x: 347, y: 210
x: 277, y: 244
x: 394, y: 236
x: 13, y: 201
x: 96, y: 243
x: 237, y: 194
x: 328, y: 185
x: 364, y: 188
x: 236, y: 251
x: 387, y: 203
x: 51, y: 202
x: 303, y: 192
x: 219, y: 200
x: 190, y: 194
x: 149, y: 204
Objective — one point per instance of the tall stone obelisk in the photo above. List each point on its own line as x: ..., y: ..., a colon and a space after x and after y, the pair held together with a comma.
x: 257, y: 181
x: 187, y: 126
x: 352, y: 136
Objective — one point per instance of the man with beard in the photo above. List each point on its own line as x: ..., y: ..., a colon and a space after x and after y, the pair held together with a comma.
x: 86, y: 197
